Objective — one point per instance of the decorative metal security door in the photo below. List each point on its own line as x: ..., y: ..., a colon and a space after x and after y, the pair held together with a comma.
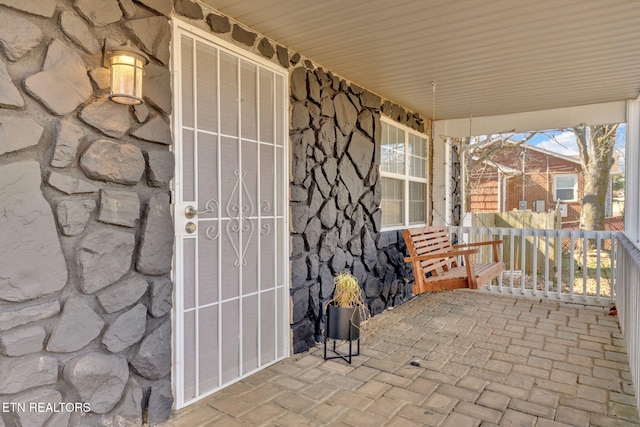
x: 230, y: 214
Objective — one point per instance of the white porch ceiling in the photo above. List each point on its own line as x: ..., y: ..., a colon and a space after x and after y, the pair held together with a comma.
x: 488, y: 57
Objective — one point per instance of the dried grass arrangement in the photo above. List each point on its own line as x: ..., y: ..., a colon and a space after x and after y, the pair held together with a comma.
x: 348, y: 293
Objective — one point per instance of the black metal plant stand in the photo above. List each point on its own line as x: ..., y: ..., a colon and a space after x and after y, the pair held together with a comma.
x: 346, y: 357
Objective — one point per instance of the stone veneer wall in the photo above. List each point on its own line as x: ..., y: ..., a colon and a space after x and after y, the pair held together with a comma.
x: 335, y: 198
x: 86, y: 235
x: 85, y: 227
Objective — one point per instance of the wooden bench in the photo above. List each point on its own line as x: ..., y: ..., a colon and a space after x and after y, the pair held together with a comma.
x: 435, y: 261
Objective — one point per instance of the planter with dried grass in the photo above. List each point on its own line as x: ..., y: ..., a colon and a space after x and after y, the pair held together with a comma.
x: 345, y: 313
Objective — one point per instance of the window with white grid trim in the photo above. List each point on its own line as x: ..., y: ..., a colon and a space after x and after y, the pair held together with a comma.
x: 403, y: 170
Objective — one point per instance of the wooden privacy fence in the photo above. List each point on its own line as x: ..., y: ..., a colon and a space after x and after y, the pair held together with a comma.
x: 517, y: 219
x: 522, y: 246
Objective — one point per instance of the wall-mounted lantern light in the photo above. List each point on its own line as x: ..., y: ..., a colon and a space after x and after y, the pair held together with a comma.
x: 126, y: 64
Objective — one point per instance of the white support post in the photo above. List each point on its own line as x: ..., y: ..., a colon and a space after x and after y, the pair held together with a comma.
x: 632, y: 171
x: 441, y: 187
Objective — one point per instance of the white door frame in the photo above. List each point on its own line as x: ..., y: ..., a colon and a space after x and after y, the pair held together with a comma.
x: 178, y: 29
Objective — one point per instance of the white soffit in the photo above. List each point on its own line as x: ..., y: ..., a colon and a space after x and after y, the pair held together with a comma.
x: 488, y: 57
x: 557, y: 118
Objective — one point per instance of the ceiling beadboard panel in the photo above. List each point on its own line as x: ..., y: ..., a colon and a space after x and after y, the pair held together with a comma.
x: 487, y: 57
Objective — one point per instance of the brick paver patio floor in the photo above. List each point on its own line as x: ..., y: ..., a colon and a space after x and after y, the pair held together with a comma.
x: 484, y: 360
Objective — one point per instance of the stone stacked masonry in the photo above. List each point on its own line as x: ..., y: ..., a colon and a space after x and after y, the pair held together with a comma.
x: 86, y: 235
x: 335, y: 199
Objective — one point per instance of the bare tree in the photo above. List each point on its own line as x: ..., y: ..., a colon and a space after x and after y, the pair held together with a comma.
x: 596, y: 145
x: 478, y: 155
x: 482, y: 151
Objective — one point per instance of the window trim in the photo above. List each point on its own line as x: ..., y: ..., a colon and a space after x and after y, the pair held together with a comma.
x: 406, y: 178
x: 555, y: 187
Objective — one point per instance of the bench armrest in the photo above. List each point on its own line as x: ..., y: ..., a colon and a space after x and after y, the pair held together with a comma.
x: 441, y: 255
x: 489, y: 242
x: 493, y: 243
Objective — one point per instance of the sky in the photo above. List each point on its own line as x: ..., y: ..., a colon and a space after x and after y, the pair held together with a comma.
x: 559, y: 142
x: 564, y: 142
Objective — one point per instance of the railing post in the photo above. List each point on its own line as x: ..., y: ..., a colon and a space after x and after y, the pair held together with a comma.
x: 558, y: 254
x: 572, y: 267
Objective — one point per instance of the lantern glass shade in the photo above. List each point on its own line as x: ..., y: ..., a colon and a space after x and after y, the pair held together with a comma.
x: 127, y: 68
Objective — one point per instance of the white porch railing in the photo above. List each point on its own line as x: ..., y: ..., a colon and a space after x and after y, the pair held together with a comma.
x: 565, y: 265
x: 628, y: 302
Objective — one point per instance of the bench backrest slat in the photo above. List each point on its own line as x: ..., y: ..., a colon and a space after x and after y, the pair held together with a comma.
x: 427, y: 240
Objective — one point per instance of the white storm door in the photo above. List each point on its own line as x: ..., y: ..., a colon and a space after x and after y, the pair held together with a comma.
x: 231, y: 311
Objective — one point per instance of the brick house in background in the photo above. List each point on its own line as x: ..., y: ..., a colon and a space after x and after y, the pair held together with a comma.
x: 528, y: 177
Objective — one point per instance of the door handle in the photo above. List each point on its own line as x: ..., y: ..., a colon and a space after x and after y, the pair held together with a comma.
x: 192, y: 212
